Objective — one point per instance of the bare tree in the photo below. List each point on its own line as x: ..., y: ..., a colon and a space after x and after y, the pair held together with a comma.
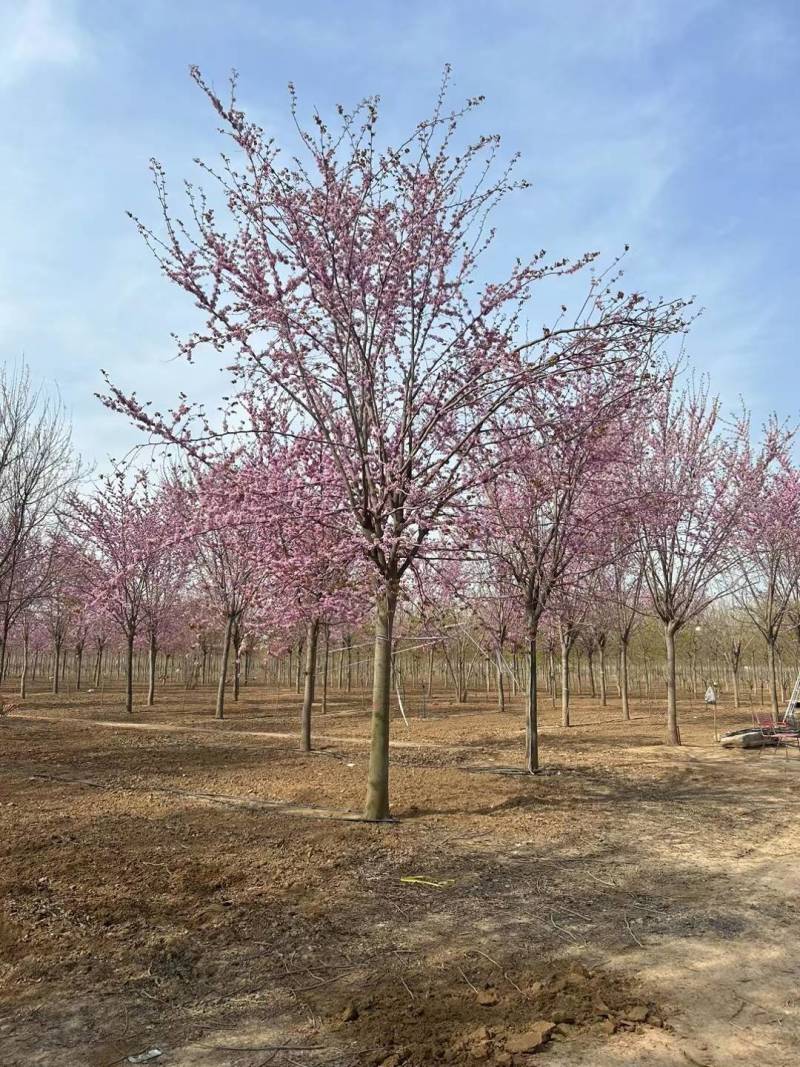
x: 37, y: 466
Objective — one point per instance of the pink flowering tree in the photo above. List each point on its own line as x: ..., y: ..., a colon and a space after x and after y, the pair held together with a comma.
x: 316, y: 576
x: 491, y: 599
x: 627, y: 587
x: 768, y: 561
x: 348, y: 279
x: 30, y: 626
x: 61, y: 602
x: 598, y: 626
x: 101, y: 629
x: 229, y: 558
x: 56, y: 618
x: 545, y: 515
x: 569, y: 609
x: 692, y: 477
x: 79, y: 633
x: 118, y: 530
x: 445, y: 604
x: 37, y: 469
x: 31, y: 570
x: 734, y: 635
x: 322, y: 582
x: 164, y: 576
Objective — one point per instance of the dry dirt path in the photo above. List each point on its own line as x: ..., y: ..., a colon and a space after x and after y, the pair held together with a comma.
x: 136, y: 915
x: 171, y: 728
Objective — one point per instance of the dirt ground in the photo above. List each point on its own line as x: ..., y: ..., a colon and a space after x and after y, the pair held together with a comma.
x: 171, y: 883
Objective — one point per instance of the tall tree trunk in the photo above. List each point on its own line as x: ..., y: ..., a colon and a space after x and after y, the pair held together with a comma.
x: 223, y: 670
x: 56, y: 665
x: 673, y: 733
x: 430, y: 672
x: 772, y: 676
x: 23, y: 681
x: 129, y: 675
x: 325, y: 656
x: 501, y: 689
x: 693, y: 675
x: 592, y: 687
x: 532, y: 719
x: 461, y: 664
x: 565, y: 650
x: 623, y: 678
x: 78, y: 667
x: 151, y: 670
x: 603, y: 692
x: 309, y: 677
x: 735, y: 675
x: 377, y: 801
x: 298, y: 677
x: 237, y: 662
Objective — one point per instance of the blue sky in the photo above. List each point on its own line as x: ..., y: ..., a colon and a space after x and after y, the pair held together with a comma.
x: 667, y: 124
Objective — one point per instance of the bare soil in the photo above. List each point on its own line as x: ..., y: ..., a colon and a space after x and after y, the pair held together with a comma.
x: 169, y: 882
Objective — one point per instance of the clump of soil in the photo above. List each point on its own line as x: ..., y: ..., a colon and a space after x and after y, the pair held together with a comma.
x: 495, y: 1021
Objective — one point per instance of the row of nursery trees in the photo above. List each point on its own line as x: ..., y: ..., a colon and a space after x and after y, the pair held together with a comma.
x: 449, y: 658
x: 398, y: 447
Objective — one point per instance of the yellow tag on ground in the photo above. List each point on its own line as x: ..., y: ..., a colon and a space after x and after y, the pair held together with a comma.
x: 415, y: 880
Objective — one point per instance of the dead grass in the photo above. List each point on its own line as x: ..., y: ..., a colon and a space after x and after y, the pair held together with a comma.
x: 144, y: 904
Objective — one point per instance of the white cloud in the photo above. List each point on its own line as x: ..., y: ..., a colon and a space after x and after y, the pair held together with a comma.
x: 35, y: 34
